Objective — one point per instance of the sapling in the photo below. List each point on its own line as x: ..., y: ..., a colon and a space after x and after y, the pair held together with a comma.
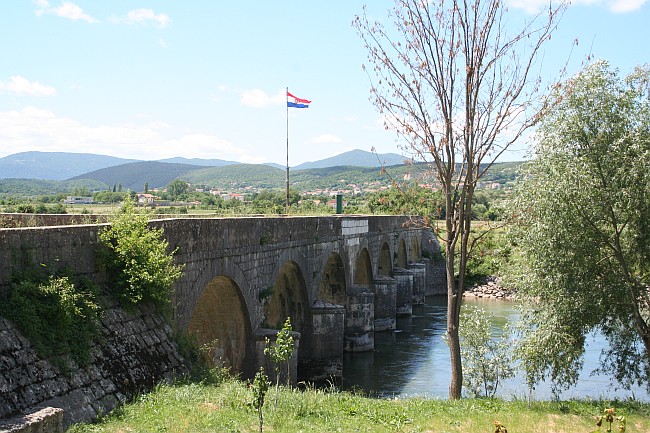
x: 260, y: 386
x: 280, y: 352
x: 487, y: 360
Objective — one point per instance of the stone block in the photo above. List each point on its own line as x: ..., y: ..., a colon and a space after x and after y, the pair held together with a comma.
x: 39, y: 420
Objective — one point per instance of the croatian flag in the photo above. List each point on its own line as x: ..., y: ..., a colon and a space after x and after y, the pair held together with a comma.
x: 297, y: 102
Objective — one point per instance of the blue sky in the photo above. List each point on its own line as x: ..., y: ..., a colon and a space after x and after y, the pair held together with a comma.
x: 206, y: 79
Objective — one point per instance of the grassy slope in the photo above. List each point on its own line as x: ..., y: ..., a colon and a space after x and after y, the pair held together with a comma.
x: 223, y: 408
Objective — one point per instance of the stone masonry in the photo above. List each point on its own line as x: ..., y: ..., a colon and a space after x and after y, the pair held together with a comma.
x: 137, y: 352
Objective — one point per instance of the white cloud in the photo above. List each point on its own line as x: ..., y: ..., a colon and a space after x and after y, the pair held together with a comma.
x: 65, y: 10
x: 615, y: 6
x: 35, y: 129
x: 145, y: 16
x: 326, y: 139
x: 259, y: 98
x: 623, y: 6
x: 22, y: 86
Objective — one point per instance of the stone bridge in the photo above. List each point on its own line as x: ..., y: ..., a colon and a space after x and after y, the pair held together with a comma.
x: 339, y: 278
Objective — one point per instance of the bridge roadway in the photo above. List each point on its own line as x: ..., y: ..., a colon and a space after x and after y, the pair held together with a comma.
x: 339, y: 279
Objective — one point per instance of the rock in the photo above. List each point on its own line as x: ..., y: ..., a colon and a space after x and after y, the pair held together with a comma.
x: 490, y: 289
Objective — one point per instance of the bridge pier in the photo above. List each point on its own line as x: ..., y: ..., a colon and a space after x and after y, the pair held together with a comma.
x: 324, y: 357
x: 385, y: 289
x: 359, y: 320
x: 419, y: 281
x: 404, y: 301
x: 265, y: 361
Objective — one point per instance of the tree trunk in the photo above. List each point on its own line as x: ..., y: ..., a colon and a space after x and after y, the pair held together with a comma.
x: 453, y: 319
x: 456, y: 383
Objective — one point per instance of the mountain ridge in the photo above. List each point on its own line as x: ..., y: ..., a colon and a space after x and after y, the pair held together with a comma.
x: 73, y: 165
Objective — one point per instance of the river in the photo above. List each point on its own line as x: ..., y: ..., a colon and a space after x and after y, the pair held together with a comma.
x: 413, y: 360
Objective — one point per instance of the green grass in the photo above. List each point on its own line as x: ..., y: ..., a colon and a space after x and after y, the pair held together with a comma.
x: 194, y: 407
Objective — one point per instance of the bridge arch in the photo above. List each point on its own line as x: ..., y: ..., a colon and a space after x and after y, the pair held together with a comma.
x: 333, y: 282
x: 289, y: 299
x: 363, y: 269
x: 385, y: 262
x: 221, y: 321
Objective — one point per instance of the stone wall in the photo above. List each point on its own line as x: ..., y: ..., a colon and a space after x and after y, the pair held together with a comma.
x: 136, y: 353
x: 13, y: 220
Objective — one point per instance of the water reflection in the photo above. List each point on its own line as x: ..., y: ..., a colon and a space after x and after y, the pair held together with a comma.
x: 413, y: 360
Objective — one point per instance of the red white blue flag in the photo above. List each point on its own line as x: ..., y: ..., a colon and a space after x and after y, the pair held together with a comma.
x: 297, y: 102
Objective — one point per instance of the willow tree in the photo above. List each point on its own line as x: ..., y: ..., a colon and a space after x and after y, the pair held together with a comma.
x: 460, y: 87
x: 584, y: 229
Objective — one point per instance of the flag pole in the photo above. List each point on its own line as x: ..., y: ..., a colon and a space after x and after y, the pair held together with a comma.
x: 287, y: 104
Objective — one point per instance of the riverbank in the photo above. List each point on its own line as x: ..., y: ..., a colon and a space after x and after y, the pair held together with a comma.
x: 491, y: 288
x: 194, y: 407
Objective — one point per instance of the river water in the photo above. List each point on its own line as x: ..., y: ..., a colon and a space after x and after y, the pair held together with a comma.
x: 413, y: 360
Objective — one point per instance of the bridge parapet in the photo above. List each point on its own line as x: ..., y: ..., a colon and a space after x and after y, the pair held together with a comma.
x: 243, y: 275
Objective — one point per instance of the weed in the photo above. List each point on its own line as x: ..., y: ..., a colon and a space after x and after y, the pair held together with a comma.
x: 58, y: 317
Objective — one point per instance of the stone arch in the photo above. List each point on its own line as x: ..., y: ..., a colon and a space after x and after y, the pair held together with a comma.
x: 363, y: 269
x: 221, y: 321
x: 385, y: 263
x: 401, y: 259
x: 289, y: 299
x: 333, y: 286
x: 415, y: 252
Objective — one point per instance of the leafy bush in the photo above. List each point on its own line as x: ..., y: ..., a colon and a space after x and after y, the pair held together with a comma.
x: 136, y: 259
x: 487, y: 359
x: 58, y: 317
x: 490, y: 254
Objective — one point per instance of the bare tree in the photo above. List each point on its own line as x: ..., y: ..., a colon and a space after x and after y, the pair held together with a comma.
x: 460, y: 87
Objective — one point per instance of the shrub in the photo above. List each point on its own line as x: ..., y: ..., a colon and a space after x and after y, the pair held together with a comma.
x: 136, y: 259
x: 58, y: 317
x: 487, y: 360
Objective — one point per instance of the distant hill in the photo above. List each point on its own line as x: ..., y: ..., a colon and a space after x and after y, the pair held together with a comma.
x: 238, y: 176
x: 355, y: 158
x: 262, y: 176
x: 199, y: 161
x: 54, y: 165
x: 37, y: 187
x: 134, y: 175
x: 66, y: 165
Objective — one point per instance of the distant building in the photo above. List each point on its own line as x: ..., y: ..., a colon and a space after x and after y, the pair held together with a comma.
x: 71, y: 199
x: 146, y: 199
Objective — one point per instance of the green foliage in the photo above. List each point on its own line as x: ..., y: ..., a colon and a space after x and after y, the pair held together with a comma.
x: 489, y: 255
x: 487, y: 359
x: 197, y: 407
x: 408, y: 200
x: 259, y: 387
x: 58, y: 317
x: 583, y: 227
x: 177, y: 188
x: 39, y: 187
x: 273, y: 201
x: 280, y: 352
x: 109, y: 196
x: 136, y: 258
